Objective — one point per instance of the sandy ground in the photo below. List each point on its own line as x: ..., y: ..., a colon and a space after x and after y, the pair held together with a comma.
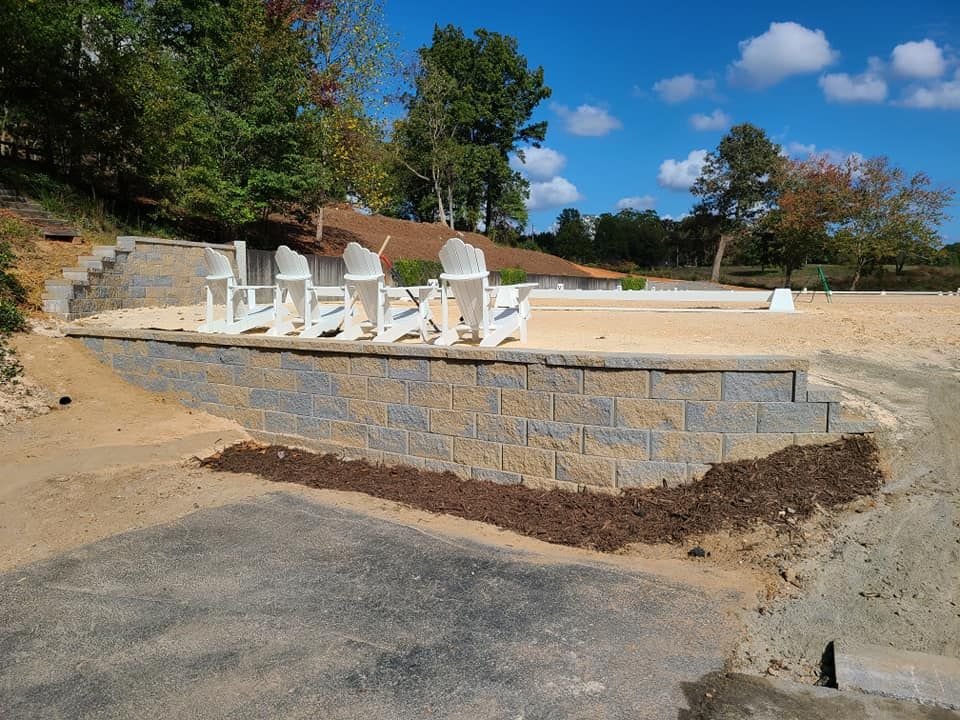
x: 884, y: 572
x: 902, y: 330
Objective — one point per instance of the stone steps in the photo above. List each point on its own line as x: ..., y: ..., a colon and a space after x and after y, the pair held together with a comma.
x: 60, y: 292
x: 51, y: 226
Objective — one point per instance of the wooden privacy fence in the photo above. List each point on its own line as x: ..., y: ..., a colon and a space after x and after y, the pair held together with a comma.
x: 328, y: 270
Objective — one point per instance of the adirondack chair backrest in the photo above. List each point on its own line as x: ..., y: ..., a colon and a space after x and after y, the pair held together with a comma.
x: 296, y: 277
x: 365, y: 273
x: 220, y: 278
x: 465, y: 269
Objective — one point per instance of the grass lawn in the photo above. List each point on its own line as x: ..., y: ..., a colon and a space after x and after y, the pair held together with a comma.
x: 914, y: 277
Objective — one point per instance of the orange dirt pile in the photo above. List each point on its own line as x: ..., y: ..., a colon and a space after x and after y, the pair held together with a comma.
x: 407, y: 240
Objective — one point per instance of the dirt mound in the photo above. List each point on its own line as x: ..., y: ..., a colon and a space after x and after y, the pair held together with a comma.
x: 343, y: 225
x: 23, y: 398
x: 778, y: 490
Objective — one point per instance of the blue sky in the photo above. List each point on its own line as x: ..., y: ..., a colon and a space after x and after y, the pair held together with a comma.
x: 633, y: 82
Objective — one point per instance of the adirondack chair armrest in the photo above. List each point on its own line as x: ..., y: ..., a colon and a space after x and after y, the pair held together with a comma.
x: 471, y: 276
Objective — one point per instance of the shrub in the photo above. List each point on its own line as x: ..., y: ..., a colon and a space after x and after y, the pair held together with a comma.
x: 417, y: 272
x: 10, y: 368
x: 513, y: 276
x: 633, y: 283
x: 12, y: 292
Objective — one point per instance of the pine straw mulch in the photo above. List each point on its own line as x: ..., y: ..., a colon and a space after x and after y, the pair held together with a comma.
x: 777, y: 490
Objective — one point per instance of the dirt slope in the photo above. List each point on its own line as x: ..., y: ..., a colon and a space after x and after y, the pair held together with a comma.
x: 409, y: 240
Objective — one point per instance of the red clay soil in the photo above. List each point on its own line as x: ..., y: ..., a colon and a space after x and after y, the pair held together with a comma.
x: 407, y: 240
x: 778, y: 490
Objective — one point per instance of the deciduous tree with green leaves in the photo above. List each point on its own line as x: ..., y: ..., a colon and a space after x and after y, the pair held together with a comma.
x: 736, y: 183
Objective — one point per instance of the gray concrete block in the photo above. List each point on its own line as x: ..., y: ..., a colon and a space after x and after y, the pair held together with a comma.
x: 502, y: 375
x: 498, y: 428
x: 708, y: 416
x: 331, y: 408
x: 313, y: 427
x: 408, y: 417
x: 822, y: 393
x: 792, y: 417
x: 640, y: 473
x: 296, y: 403
x: 501, y: 477
x: 428, y: 445
x: 264, y: 398
x: 296, y: 361
x: 408, y: 368
x: 547, y: 378
x: 554, y: 435
x: 685, y: 385
x: 616, y: 442
x: 315, y: 383
x: 876, y: 670
x: 387, y: 439
x: 799, y: 385
x: 280, y: 422
x: 758, y: 387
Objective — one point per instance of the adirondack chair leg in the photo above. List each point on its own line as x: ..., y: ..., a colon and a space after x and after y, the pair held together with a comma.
x: 281, y: 318
x: 230, y: 301
x: 210, y: 325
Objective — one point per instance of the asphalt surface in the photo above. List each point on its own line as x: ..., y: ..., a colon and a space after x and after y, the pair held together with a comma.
x: 280, y: 607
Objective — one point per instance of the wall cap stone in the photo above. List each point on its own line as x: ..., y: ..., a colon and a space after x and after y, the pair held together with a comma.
x: 687, y: 363
x: 127, y: 240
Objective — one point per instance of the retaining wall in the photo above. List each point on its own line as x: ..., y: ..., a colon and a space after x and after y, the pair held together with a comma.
x: 137, y: 272
x: 543, y: 418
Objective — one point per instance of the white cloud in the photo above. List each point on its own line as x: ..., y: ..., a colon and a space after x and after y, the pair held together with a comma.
x: 938, y: 96
x: 682, y: 87
x: 797, y: 149
x: 785, y: 49
x: 637, y: 202
x: 844, y: 88
x: 552, y: 194
x: 539, y: 163
x: 922, y: 60
x: 717, y: 120
x: 681, y: 174
x: 837, y: 157
x: 587, y: 120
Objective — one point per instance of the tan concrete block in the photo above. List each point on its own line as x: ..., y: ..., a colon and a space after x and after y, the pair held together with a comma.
x: 426, y: 394
x: 525, y: 403
x: 454, y: 372
x: 233, y: 395
x: 265, y: 359
x: 743, y: 446
x: 368, y: 365
x: 529, y: 461
x: 348, y: 386
x: 586, y: 470
x: 650, y: 414
x: 453, y: 422
x: 498, y: 428
x: 815, y: 438
x: 348, y: 434
x: 616, y: 383
x: 476, y: 453
x: 367, y: 412
x: 686, y: 446
x: 220, y: 374
x: 388, y: 391
x: 479, y: 399
x: 334, y: 363
x: 280, y: 379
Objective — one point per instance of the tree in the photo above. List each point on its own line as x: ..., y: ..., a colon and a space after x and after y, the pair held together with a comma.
x: 736, y: 183
x: 573, y: 238
x: 814, y: 196
x: 633, y: 235
x: 483, y: 121
x: 890, y: 217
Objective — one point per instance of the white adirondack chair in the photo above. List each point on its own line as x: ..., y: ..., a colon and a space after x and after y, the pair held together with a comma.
x: 295, y: 283
x: 366, y: 289
x: 491, y: 322
x: 241, y: 312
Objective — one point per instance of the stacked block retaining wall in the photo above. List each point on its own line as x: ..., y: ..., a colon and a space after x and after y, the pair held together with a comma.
x: 542, y: 418
x: 137, y: 272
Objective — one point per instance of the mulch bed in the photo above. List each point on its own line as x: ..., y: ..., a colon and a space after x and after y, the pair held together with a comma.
x: 778, y: 490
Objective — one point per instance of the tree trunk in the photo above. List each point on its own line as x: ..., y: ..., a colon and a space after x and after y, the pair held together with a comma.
x: 856, y: 276
x: 787, y: 277
x: 441, y: 213
x: 318, y: 218
x: 718, y: 258
x: 450, y: 206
